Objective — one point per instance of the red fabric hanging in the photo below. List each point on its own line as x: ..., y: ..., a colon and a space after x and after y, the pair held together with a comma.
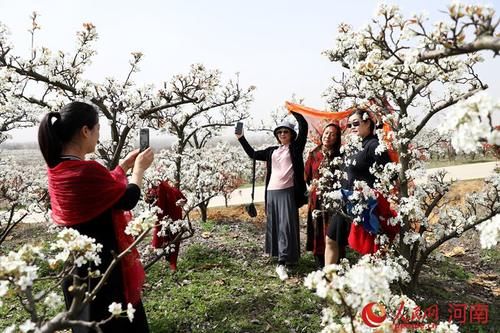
x: 167, y: 201
x: 82, y: 190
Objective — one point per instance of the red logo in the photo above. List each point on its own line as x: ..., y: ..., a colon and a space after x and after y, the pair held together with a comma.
x: 373, y: 314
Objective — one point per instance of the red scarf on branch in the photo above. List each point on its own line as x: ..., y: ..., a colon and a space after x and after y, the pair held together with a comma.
x: 167, y: 197
x: 81, y: 191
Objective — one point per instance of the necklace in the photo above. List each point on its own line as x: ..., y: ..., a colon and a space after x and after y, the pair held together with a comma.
x: 70, y: 157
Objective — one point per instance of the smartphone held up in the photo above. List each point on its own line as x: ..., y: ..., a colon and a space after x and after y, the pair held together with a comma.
x: 143, y: 139
x: 238, y: 129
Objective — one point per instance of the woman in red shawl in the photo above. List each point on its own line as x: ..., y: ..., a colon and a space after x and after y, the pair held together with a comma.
x: 86, y: 196
x: 317, y: 158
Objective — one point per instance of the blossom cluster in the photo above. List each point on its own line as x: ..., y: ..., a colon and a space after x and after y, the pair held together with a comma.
x: 20, y: 276
x: 489, y: 232
x: 71, y: 245
x: 171, y: 227
x: 116, y: 310
x: 21, y: 185
x: 144, y: 221
x: 471, y: 123
x: 349, y: 289
x: 20, y: 269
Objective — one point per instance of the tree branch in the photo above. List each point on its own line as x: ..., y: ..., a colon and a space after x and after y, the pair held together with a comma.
x: 443, y: 106
x: 482, y: 43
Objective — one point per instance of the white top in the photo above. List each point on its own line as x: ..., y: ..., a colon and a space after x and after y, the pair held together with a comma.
x: 282, y: 169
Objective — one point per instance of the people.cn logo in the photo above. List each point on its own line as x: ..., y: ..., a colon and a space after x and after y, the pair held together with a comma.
x: 373, y: 314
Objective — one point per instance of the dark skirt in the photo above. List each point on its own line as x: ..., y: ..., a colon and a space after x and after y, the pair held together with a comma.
x: 282, y: 231
x: 316, y: 232
x: 102, y: 230
x: 97, y: 310
x: 338, y: 230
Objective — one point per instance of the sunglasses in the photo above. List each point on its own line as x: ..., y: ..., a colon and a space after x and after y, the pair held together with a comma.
x: 353, y: 124
x: 282, y: 132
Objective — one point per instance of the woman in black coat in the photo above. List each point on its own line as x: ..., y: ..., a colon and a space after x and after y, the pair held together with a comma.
x: 361, y: 124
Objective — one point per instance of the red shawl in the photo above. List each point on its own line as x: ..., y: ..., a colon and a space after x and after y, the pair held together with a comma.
x: 311, y: 172
x: 82, y: 190
x: 361, y: 240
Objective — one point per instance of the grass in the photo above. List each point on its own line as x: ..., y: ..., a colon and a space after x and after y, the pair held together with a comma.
x: 230, y: 289
x: 490, y: 255
x: 453, y: 271
x: 454, y: 282
x: 208, y: 225
x: 224, y: 283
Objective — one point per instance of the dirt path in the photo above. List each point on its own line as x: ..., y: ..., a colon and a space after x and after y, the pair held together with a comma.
x: 458, y: 172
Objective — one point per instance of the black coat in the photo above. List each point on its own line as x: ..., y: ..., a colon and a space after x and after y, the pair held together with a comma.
x: 296, y: 154
x: 365, y: 158
x: 102, y: 230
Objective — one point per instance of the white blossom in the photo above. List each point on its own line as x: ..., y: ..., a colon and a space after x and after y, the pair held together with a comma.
x: 471, y: 123
x: 130, y: 312
x: 446, y: 327
x: 115, y: 309
x: 53, y: 300
x: 10, y: 329
x: 81, y: 248
x: 489, y: 232
x: 27, y: 326
x: 146, y: 220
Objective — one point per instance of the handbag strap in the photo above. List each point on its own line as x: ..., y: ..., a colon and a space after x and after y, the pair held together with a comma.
x: 253, y: 179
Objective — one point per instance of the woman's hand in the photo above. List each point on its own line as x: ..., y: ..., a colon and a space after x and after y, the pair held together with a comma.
x: 144, y: 159
x: 142, y: 162
x: 129, y: 160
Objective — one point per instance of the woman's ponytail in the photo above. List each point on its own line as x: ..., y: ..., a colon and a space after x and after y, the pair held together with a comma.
x: 48, y: 138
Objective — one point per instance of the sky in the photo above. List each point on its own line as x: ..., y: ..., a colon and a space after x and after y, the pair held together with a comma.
x: 275, y: 45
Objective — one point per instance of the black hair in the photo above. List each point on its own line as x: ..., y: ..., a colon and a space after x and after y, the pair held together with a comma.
x: 338, y: 138
x: 58, y: 128
x: 361, y: 113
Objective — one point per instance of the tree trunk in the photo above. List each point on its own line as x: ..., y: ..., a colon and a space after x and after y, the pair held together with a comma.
x: 403, y: 188
x: 178, y: 164
x: 203, y: 210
